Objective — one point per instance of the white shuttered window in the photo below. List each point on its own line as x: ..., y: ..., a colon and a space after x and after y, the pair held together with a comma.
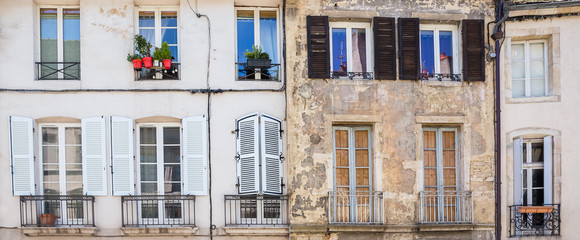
x: 194, y: 155
x: 94, y: 156
x: 122, y: 155
x: 21, y: 155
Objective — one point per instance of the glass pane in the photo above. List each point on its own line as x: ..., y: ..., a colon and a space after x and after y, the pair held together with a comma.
x: 147, y: 135
x: 171, y: 135
x: 150, y: 210
x: 146, y: 19
x: 173, y: 188
x: 537, y: 197
x: 518, y: 52
x: 361, y: 139
x: 51, y: 189
x: 149, y: 188
x: 449, y: 177
x: 169, y: 36
x: 538, y: 152
x: 341, y: 138
x: 342, y: 175
x: 172, y: 210
x: 427, y: 55
x: 148, y: 172
x: 149, y: 35
x: 172, y: 172
x: 49, y: 135
x: 448, y: 140
x: 525, y: 197
x: 518, y: 88
x: 536, y: 51
x: 72, y: 135
x: 518, y: 70
x: 525, y: 178
x: 50, y: 154
x: 73, y: 154
x: 245, y: 36
x: 429, y: 139
x: 430, y: 177
x: 148, y: 154
x: 50, y: 173
x: 72, y: 41
x: 362, y: 176
x: 446, y: 52
x: 537, y: 178
x: 74, y: 189
x: 362, y: 158
x: 174, y: 53
x: 538, y: 87
x: 269, y: 34
x: 48, y: 41
x: 342, y: 158
x: 171, y: 154
x: 430, y: 158
x: 169, y: 19
x: 339, y: 58
x: 448, y: 158
x: 359, y: 50
x: 537, y: 69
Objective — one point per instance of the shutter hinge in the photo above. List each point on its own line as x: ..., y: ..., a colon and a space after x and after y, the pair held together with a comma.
x: 111, y: 169
x: 33, y: 130
x: 237, y: 131
x: 33, y: 158
x: 237, y: 157
x: 238, y: 182
x: 11, y: 169
x: 133, y: 130
x: 281, y: 158
x: 281, y: 132
x: 282, y: 182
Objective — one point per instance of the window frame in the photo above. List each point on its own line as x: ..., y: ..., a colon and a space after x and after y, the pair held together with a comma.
x: 529, y: 166
x: 527, y: 68
x: 439, y: 156
x: 457, y: 66
x: 351, y: 156
x: 157, y: 28
x: 257, y: 30
x: 369, y: 45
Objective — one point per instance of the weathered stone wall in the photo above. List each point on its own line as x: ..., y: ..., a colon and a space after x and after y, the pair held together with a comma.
x: 396, y: 110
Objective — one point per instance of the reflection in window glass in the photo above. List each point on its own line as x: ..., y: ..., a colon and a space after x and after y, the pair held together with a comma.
x: 445, y: 52
x: 359, y: 51
x: 427, y: 49
x: 245, y: 28
x: 339, y: 58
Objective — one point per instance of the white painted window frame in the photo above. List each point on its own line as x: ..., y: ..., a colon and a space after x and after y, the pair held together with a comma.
x: 439, y: 152
x: 369, y: 47
x: 257, y: 29
x: 527, y: 67
x: 436, y: 50
x: 158, y: 27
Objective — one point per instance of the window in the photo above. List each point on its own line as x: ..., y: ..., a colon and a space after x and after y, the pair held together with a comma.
x: 533, y: 171
x: 350, y: 50
x: 257, y: 27
x: 59, y: 44
x: 529, y: 66
x: 439, y: 51
x: 159, y: 25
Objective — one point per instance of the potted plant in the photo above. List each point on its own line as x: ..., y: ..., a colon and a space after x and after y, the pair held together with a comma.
x: 144, y: 49
x: 136, y: 60
x: 47, y: 220
x: 156, y: 57
x: 257, y: 59
x: 165, y: 54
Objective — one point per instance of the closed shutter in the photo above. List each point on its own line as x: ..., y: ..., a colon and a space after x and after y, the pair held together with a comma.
x: 247, y: 154
x: 21, y: 156
x: 318, y: 47
x: 271, y: 154
x: 122, y: 156
x: 94, y: 156
x: 409, y: 58
x: 195, y: 155
x: 385, y: 50
x: 518, y: 160
x: 473, y: 50
x: 548, y: 170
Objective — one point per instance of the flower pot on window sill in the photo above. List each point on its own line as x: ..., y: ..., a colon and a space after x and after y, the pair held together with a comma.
x: 47, y: 220
x: 148, y: 62
x: 259, y: 63
x: 535, y: 209
x: 167, y: 63
x: 137, y: 64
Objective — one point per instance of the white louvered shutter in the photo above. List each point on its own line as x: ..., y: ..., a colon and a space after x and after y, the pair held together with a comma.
x: 94, y: 156
x: 518, y: 160
x: 195, y: 155
x: 247, y: 154
x: 548, y: 170
x: 271, y: 153
x: 21, y: 156
x: 122, y: 156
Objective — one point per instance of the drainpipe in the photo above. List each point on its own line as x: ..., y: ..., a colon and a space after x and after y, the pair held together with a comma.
x: 497, y: 34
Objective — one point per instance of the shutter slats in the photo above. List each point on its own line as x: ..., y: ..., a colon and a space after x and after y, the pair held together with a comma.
x: 385, y: 50
x: 122, y: 155
x: 548, y: 170
x: 409, y: 57
x: 195, y: 155
x: 94, y: 156
x: 473, y: 50
x: 247, y: 150
x: 271, y: 152
x: 318, y: 47
x: 22, y: 155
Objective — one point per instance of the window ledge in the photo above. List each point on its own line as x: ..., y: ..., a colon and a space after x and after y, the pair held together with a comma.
x: 436, y: 83
x: 532, y: 99
x: 160, y: 231
x: 256, y: 231
x: 446, y: 227
x: 356, y: 228
x: 58, y: 231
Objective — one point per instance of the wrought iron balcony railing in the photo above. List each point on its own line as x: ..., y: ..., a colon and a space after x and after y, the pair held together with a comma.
x: 356, y: 208
x: 58, y: 70
x: 158, y: 210
x: 57, y: 211
x: 269, y: 72
x: 351, y: 75
x: 535, y: 220
x: 441, y: 77
x: 160, y: 73
x: 449, y: 207
x: 256, y: 209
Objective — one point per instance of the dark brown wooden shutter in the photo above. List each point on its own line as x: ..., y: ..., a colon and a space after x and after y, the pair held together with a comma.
x: 318, y: 47
x: 473, y: 50
x: 385, y: 50
x: 409, y: 58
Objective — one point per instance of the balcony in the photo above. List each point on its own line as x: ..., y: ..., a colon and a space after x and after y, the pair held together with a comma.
x: 57, y: 211
x: 158, y: 211
x: 356, y: 208
x: 453, y: 207
x: 534, y: 220
x: 441, y: 77
x: 256, y: 210
x: 351, y: 75
x: 58, y: 70
x: 159, y: 73
x: 266, y: 72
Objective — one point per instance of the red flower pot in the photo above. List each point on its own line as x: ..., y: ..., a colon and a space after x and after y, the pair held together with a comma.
x: 148, y: 62
x: 137, y: 64
x: 47, y: 219
x: 167, y: 63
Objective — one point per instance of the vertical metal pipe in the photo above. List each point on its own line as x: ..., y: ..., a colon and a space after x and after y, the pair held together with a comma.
x: 498, y: 129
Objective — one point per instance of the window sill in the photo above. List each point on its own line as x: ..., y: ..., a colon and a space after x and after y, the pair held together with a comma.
x: 545, y: 99
x: 160, y: 231
x: 448, y: 227
x: 256, y: 231
x: 444, y: 83
x: 356, y: 228
x: 58, y: 231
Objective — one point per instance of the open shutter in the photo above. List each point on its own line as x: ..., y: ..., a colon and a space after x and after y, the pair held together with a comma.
x: 473, y: 50
x: 122, y: 156
x: 385, y: 50
x: 94, y: 156
x: 21, y: 156
x: 247, y: 154
x: 318, y: 47
x: 195, y: 155
x: 409, y: 58
x: 548, y: 170
x: 271, y: 154
x: 518, y: 160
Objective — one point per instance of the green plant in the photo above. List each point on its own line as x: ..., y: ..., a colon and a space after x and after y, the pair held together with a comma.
x: 157, y: 54
x: 130, y: 57
x: 256, y: 53
x: 142, y: 46
x: 165, y: 52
